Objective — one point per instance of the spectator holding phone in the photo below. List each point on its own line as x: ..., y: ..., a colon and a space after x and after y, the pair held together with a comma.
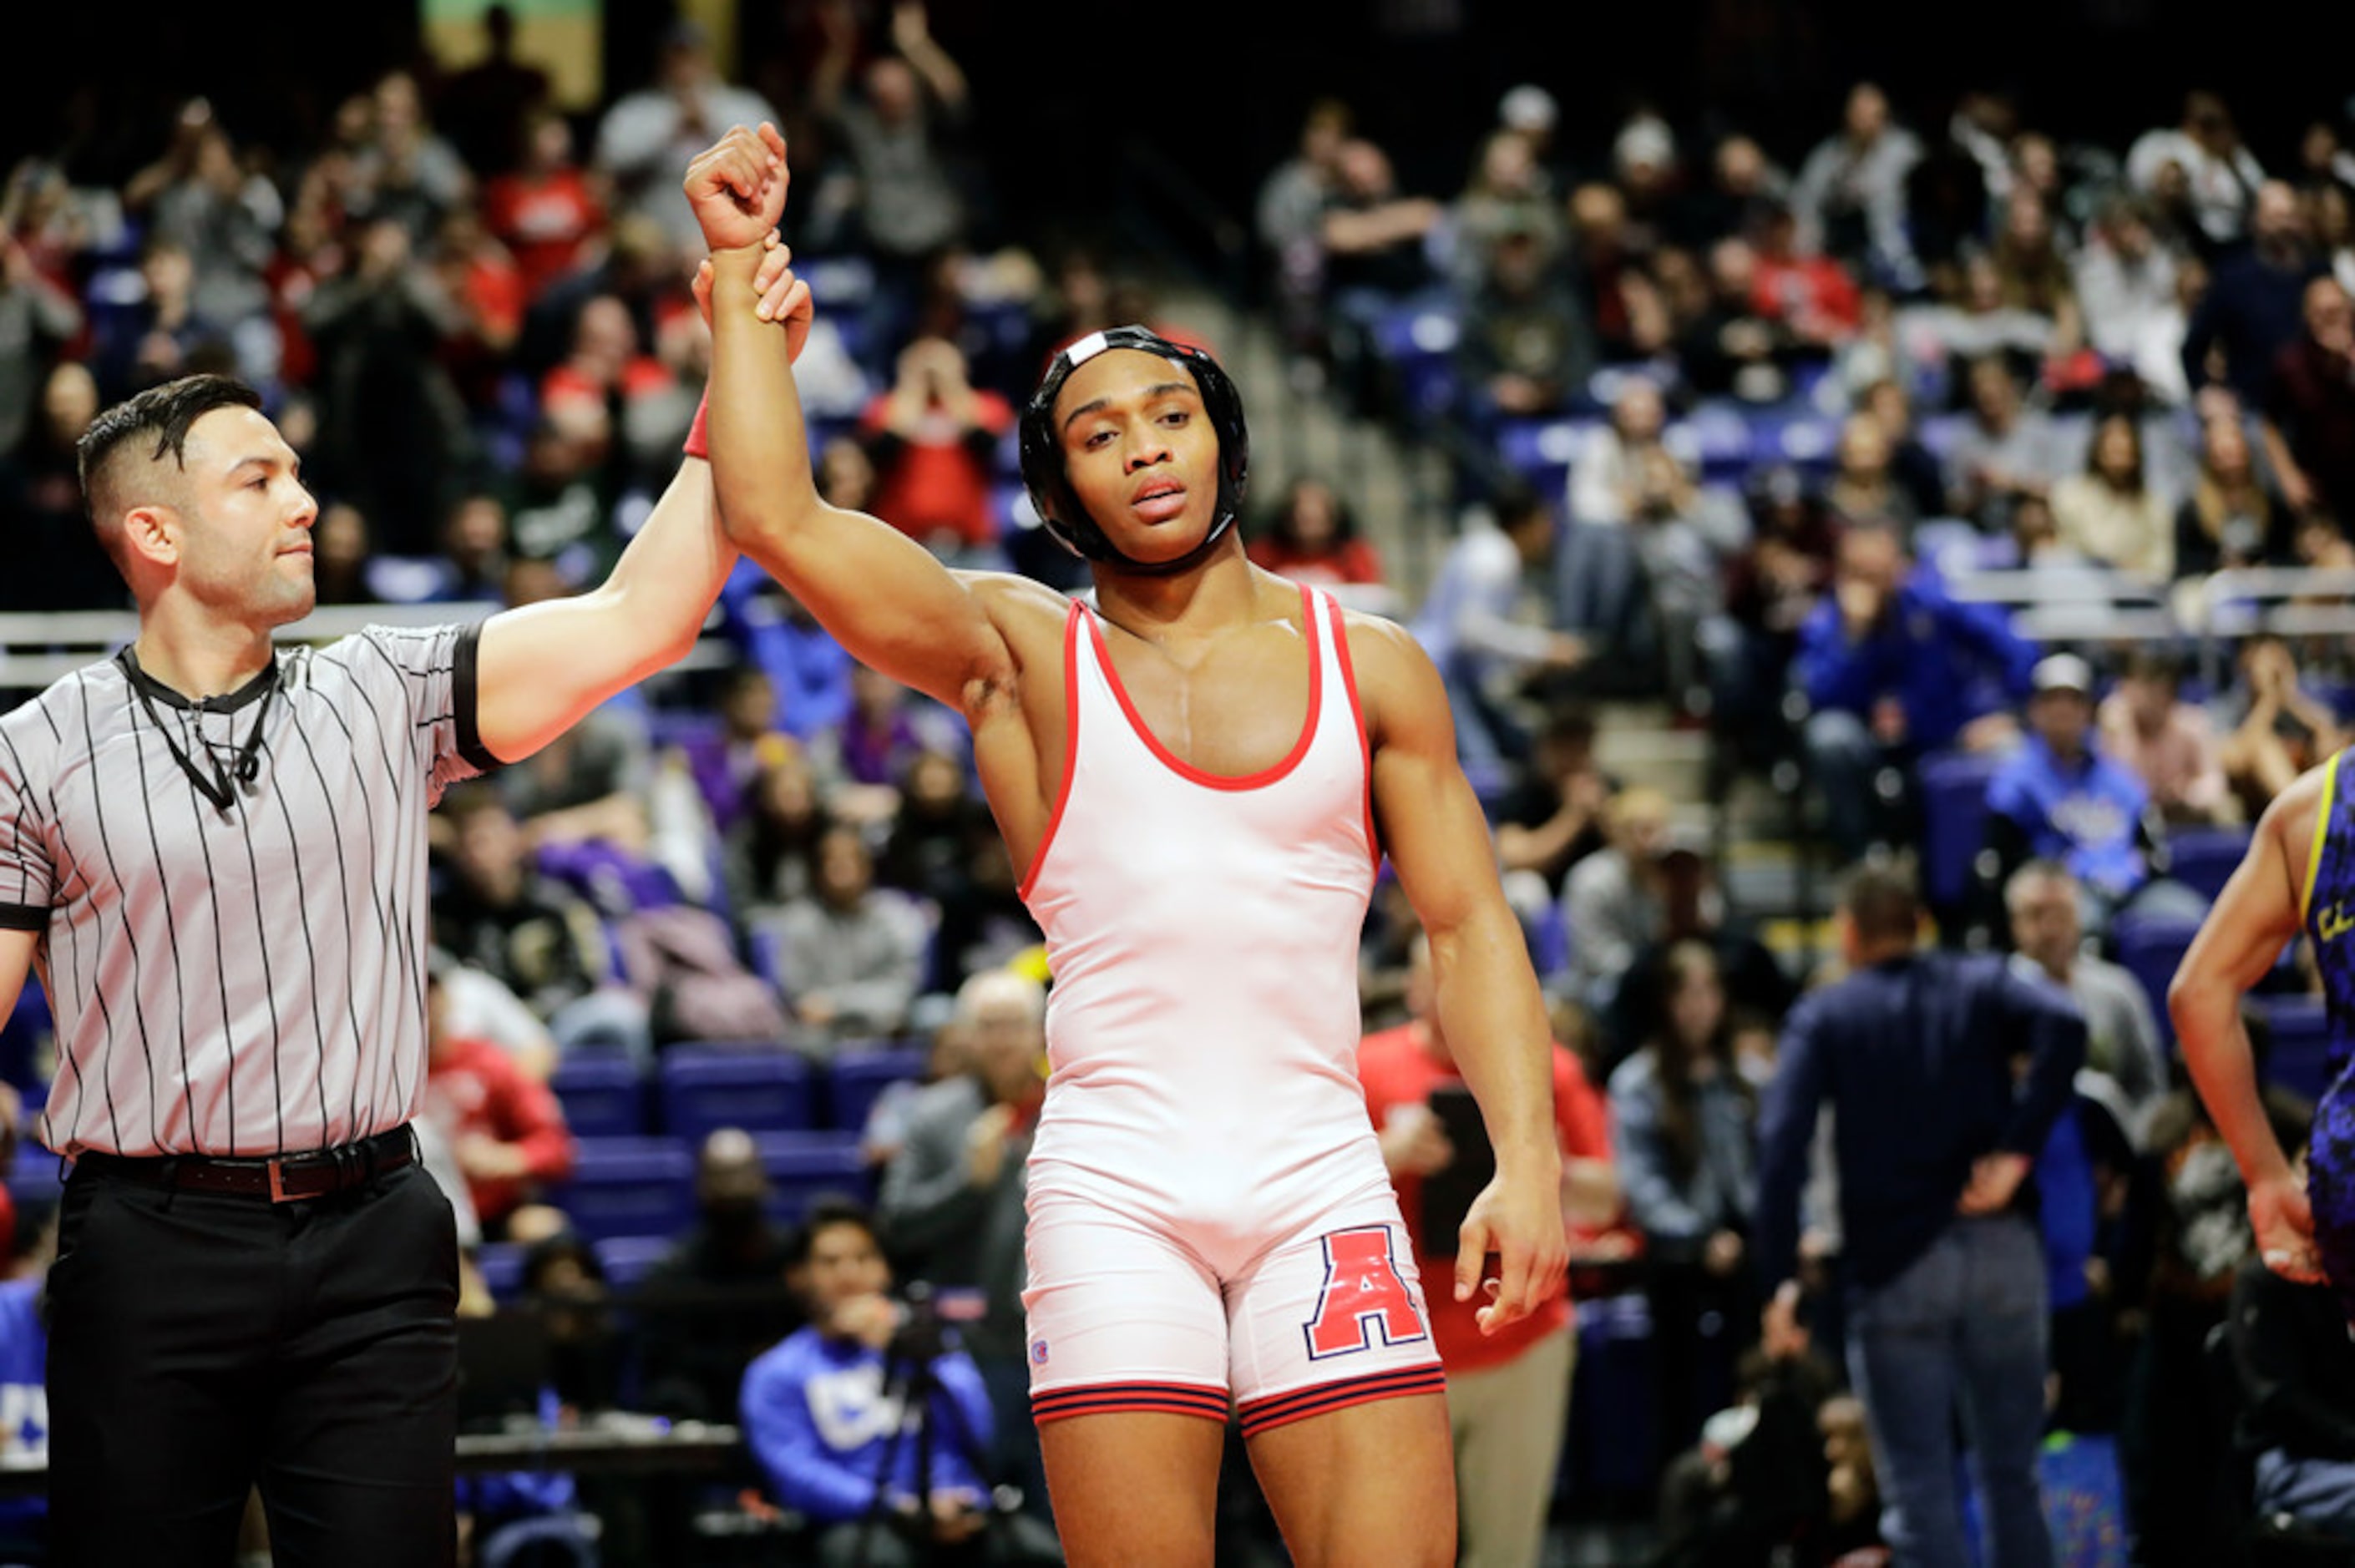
x: 1507, y: 1394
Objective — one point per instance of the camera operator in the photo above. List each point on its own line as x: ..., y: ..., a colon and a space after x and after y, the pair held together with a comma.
x: 886, y: 1478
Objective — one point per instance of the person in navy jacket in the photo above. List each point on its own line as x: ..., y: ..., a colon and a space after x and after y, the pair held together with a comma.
x: 1945, y: 1073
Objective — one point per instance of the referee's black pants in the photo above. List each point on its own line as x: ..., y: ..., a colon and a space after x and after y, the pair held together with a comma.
x: 201, y: 1343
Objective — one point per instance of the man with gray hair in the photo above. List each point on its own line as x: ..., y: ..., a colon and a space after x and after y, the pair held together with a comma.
x: 952, y: 1199
x: 2123, y: 1070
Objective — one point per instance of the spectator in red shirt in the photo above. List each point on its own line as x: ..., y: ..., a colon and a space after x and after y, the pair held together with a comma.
x: 1313, y: 538
x: 548, y: 210
x: 1807, y: 292
x: 934, y: 436
x: 1508, y: 1394
x: 505, y: 1130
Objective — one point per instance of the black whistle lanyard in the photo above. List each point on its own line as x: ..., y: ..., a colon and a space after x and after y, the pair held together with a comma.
x: 221, y: 788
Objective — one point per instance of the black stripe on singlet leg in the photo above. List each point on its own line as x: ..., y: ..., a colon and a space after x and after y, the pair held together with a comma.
x: 220, y: 963
x: 351, y: 942
x: 130, y: 935
x: 269, y: 980
x: 171, y: 928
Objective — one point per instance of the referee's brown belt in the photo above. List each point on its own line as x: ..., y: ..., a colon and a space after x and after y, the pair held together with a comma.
x: 284, y: 1180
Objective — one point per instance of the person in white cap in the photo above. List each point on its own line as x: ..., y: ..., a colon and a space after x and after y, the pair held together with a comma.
x: 2059, y: 797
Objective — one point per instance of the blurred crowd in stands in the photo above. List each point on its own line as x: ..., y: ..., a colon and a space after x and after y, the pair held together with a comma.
x: 1759, y: 443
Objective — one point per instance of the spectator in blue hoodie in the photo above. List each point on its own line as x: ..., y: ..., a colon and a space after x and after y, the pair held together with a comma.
x: 1893, y: 668
x: 2058, y: 798
x: 827, y: 1411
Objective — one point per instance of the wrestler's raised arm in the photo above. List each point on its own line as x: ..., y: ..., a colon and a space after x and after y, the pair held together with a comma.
x: 882, y: 595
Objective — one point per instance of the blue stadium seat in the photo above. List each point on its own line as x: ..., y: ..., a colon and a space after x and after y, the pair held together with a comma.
x: 629, y: 1187
x: 603, y: 1093
x: 626, y: 1259
x: 501, y: 1265
x: 1420, y: 344
x: 1954, y: 786
x: 1720, y: 443
x: 856, y: 1080
x: 2203, y: 858
x: 676, y: 726
x: 805, y: 1166
x: 1612, y: 1421
x: 2150, y: 950
x: 756, y: 1086
x: 1542, y: 451
x: 2299, y: 1054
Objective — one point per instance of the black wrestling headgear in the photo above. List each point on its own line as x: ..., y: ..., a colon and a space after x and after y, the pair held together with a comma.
x: 1043, y: 451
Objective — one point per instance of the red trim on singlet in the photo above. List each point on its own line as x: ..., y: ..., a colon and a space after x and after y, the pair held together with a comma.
x: 1284, y: 1409
x: 1070, y: 749
x: 1185, y: 769
x: 1122, y: 1398
x: 1357, y: 721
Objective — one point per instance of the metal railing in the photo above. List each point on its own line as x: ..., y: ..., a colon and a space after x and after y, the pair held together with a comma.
x: 39, y: 648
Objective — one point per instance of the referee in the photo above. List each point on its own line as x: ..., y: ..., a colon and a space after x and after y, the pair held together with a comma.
x: 214, y: 853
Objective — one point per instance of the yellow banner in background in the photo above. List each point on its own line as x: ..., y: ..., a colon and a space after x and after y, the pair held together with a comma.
x: 566, y: 39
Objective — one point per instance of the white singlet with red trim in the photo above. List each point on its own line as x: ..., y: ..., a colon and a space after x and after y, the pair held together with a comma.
x: 1203, y: 932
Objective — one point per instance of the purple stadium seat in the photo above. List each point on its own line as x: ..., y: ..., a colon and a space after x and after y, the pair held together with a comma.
x: 2203, y: 858
x: 2150, y: 950
x: 626, y: 1259
x: 803, y: 1165
x: 501, y: 1267
x: 603, y: 1094
x: 2298, y: 1053
x: 856, y: 1079
x: 757, y: 1087
x: 629, y: 1187
x: 1954, y: 786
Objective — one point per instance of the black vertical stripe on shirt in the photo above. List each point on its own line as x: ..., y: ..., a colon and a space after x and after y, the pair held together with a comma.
x: 243, y: 808
x: 220, y: 960
x: 130, y: 935
x: 303, y: 899
x: 396, y: 928
x: 404, y: 921
x: 170, y: 927
x: 343, y: 887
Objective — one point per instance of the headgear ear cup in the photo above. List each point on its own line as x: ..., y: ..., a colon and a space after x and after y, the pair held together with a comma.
x: 1043, y: 453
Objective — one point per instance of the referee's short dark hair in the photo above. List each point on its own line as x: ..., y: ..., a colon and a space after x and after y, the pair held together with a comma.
x: 162, y: 413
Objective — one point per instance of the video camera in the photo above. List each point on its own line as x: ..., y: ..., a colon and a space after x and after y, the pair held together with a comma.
x: 920, y: 1338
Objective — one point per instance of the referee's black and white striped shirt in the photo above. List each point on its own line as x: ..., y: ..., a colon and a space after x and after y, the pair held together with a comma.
x: 247, y: 981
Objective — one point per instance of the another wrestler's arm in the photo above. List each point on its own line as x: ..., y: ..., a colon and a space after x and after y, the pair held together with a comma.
x: 883, y: 596
x: 2256, y: 914
x: 1486, y: 993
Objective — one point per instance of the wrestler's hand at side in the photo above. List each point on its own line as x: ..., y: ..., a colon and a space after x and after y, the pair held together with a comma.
x: 1517, y: 1216
x: 2283, y: 1219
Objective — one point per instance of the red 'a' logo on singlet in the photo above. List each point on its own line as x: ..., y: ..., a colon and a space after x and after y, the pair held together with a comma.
x: 1363, y: 1296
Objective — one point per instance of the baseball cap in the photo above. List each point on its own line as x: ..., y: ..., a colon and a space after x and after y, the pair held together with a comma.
x: 1528, y: 107
x: 1646, y: 141
x: 2062, y: 672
